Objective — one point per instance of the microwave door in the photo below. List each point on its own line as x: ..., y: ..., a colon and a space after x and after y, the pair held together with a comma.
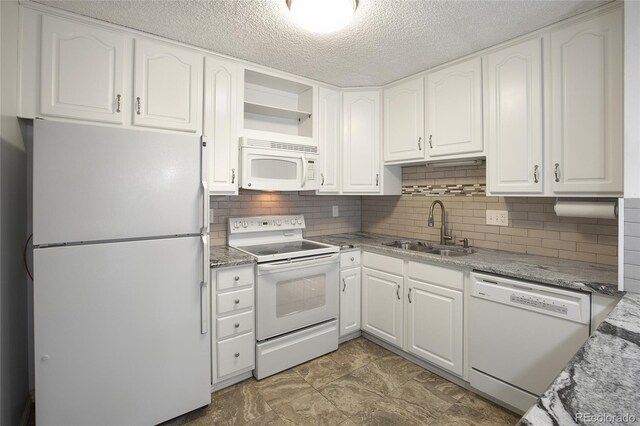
x: 273, y: 170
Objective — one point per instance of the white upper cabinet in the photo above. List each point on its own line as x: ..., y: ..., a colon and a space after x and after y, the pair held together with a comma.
x: 454, y: 110
x: 587, y: 106
x: 514, y: 118
x: 329, y: 137
x: 361, y: 142
x: 167, y: 86
x: 404, y: 122
x: 82, y: 72
x: 221, y: 124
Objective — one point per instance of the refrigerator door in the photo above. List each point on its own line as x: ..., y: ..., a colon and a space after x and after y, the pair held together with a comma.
x: 119, y: 336
x: 93, y: 183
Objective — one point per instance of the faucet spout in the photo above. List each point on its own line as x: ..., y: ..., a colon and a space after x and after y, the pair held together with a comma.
x: 431, y: 222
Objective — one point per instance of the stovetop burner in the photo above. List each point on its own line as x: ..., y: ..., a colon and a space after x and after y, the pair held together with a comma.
x: 267, y: 252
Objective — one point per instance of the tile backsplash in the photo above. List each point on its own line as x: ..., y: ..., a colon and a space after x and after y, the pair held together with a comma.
x: 533, y: 226
x: 317, y: 210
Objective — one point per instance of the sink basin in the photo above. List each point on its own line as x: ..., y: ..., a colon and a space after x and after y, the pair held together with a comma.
x: 411, y: 245
x: 424, y: 247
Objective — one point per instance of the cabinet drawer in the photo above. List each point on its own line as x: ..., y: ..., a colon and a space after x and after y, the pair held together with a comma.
x: 234, y: 301
x: 445, y: 277
x: 349, y: 259
x: 234, y: 325
x: 234, y: 277
x: 235, y: 354
x: 383, y: 263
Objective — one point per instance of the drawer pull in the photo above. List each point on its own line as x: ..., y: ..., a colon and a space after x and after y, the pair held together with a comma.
x: 237, y: 354
x: 237, y: 301
x: 236, y: 325
x: 236, y: 278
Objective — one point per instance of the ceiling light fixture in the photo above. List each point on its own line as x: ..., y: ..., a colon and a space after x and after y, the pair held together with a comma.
x: 322, y: 16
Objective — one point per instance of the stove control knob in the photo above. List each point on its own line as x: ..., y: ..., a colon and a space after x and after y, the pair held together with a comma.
x: 299, y: 221
x: 236, y: 224
x: 293, y: 221
x: 278, y: 222
x: 245, y: 224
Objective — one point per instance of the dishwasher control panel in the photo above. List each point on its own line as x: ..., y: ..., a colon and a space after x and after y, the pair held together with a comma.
x: 539, y: 303
x: 546, y: 300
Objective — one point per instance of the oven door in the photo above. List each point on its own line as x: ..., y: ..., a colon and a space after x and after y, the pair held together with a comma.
x: 278, y: 170
x: 293, y: 294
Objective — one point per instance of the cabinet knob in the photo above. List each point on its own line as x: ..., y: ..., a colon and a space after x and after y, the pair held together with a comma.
x: 430, y: 144
x: 377, y: 178
x: 237, y: 301
x: 353, y: 258
x: 344, y: 285
x: 556, y: 172
x: 535, y: 173
x: 237, y: 354
x: 409, y: 295
x: 236, y: 325
x: 236, y: 278
x: 233, y: 175
x: 398, y: 292
x: 138, y: 106
x: 118, y: 102
x: 419, y: 143
x: 322, y: 176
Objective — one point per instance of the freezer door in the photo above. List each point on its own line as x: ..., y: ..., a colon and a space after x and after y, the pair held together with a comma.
x: 94, y: 183
x: 118, y: 332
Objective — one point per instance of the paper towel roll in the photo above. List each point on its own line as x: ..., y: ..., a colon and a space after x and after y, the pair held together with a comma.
x: 593, y: 209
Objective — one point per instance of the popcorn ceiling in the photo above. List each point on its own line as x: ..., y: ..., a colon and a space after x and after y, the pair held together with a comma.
x: 386, y: 40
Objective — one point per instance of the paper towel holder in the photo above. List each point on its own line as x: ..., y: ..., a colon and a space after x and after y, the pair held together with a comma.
x: 597, y: 208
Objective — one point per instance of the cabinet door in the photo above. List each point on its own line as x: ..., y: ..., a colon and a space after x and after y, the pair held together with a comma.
x: 404, y: 122
x: 361, y: 143
x: 454, y: 110
x: 382, y: 305
x: 167, y: 87
x: 220, y: 125
x: 82, y: 72
x: 349, y: 301
x: 434, y: 324
x: 514, y: 118
x: 586, y: 106
x: 330, y: 135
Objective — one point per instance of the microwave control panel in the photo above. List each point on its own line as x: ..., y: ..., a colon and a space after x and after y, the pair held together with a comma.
x: 311, y: 170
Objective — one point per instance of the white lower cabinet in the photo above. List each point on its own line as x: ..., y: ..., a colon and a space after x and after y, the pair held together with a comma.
x: 350, y: 280
x: 382, y: 290
x: 233, y: 323
x: 415, y: 306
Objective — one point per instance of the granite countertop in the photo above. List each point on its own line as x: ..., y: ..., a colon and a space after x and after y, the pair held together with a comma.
x: 221, y: 256
x: 603, y: 377
x: 572, y: 274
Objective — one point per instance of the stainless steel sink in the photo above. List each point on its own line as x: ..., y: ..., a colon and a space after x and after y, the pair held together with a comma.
x: 428, y: 248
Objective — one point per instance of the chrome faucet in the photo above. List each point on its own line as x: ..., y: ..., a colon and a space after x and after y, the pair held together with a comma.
x: 443, y: 229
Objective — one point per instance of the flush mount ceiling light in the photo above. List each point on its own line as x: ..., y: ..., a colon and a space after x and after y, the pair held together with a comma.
x: 322, y: 16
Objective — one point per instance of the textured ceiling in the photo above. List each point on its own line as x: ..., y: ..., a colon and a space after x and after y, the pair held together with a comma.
x: 386, y: 40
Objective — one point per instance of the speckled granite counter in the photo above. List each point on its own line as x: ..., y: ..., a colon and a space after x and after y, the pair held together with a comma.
x: 602, y: 379
x: 221, y: 256
x: 549, y: 270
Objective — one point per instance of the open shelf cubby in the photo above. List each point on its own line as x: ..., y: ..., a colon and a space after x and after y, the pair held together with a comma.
x: 277, y: 105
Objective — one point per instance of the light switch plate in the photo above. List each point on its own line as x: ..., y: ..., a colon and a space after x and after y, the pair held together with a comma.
x: 335, y: 211
x: 498, y: 217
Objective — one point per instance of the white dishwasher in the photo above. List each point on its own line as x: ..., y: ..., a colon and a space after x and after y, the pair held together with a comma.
x: 522, y: 335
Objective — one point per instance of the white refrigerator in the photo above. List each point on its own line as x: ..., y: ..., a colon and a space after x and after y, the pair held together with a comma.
x: 121, y: 269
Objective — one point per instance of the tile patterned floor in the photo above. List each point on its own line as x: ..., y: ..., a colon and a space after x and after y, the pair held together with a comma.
x: 359, y: 384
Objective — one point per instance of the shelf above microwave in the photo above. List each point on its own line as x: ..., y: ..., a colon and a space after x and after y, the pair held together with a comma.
x: 262, y: 109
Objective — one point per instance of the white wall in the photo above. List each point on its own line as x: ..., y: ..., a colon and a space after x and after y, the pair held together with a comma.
x: 631, y: 99
x: 14, y: 382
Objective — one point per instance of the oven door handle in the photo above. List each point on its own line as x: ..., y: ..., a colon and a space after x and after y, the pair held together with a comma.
x: 298, y: 263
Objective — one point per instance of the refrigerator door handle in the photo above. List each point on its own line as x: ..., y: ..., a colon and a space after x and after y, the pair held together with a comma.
x: 204, y: 294
x: 205, y: 185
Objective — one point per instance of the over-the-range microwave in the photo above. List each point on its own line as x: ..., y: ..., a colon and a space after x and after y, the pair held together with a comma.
x: 277, y: 166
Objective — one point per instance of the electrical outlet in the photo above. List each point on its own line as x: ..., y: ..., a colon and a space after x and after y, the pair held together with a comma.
x: 335, y: 211
x: 498, y: 217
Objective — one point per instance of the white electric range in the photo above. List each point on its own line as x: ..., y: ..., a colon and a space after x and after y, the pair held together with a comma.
x: 297, y: 290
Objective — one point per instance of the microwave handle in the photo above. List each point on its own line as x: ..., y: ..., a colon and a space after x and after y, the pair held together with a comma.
x: 304, y: 170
